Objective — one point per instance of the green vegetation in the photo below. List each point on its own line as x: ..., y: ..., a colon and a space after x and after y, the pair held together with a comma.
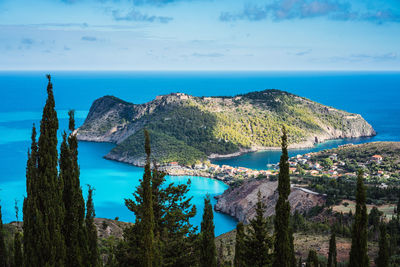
x: 356, y: 156
x: 18, y: 250
x: 344, y: 188
x: 165, y: 148
x: 55, y: 231
x: 332, y: 256
x: 258, y: 243
x: 162, y: 234
x: 208, y: 253
x: 284, y: 254
x: 312, y: 259
x: 74, y: 213
x: 92, y: 256
x: 44, y: 244
x: 240, y: 248
x: 217, y: 125
x: 359, y: 237
x: 383, y: 255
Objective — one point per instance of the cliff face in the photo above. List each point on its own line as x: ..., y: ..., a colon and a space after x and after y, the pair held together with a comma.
x: 240, y: 202
x: 213, y: 126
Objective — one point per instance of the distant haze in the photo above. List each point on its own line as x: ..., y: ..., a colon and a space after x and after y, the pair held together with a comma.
x: 200, y: 35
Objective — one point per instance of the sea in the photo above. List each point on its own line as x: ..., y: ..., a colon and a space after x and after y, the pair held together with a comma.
x: 374, y: 95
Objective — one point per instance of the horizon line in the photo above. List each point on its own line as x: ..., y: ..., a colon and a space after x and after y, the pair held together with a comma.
x: 202, y: 70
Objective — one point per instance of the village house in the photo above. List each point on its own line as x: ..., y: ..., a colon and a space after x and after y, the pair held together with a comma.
x: 333, y: 157
x: 302, y: 161
x: 292, y: 164
x: 200, y: 166
x: 173, y: 164
x: 214, y: 167
x: 377, y: 158
x: 332, y: 172
x: 317, y: 166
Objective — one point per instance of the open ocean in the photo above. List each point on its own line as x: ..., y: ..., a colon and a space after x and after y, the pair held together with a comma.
x: 374, y: 95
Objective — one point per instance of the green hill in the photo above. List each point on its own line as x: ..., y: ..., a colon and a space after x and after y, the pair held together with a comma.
x: 212, y: 126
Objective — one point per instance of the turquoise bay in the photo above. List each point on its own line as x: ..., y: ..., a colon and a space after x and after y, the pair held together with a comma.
x: 374, y: 95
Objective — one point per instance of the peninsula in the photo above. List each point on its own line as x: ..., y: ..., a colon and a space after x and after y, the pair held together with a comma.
x: 186, y: 130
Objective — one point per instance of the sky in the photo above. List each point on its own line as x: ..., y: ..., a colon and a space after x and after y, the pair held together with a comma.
x: 200, y: 35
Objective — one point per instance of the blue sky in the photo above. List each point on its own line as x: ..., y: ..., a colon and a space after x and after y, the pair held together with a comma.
x: 199, y: 35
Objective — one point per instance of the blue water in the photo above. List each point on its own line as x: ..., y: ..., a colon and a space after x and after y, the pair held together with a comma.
x: 374, y: 95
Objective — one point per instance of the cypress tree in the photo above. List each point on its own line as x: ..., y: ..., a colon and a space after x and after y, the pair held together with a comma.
x: 383, y: 255
x: 93, y: 258
x: 208, y: 251
x: 283, y: 253
x: 73, y: 228
x: 257, y: 241
x: 240, y: 249
x: 44, y: 203
x: 332, y: 255
x: 148, y: 215
x: 18, y: 258
x: 3, y: 252
x: 32, y: 217
x: 358, y: 252
x: 312, y: 259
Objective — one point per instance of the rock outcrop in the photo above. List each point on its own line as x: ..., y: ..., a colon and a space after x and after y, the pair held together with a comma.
x: 239, y: 202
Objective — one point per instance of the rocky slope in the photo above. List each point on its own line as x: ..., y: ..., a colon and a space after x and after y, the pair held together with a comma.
x: 215, y: 126
x: 240, y: 201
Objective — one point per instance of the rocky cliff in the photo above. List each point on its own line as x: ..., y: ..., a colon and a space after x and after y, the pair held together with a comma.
x: 215, y: 126
x: 240, y: 202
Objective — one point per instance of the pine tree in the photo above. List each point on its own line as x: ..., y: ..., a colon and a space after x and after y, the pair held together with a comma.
x: 383, y: 255
x: 3, y: 252
x: 207, y: 238
x: 93, y: 258
x: 18, y: 258
x: 73, y: 228
x: 43, y: 206
x: 332, y: 255
x: 174, y: 235
x: 283, y: 254
x: 358, y: 252
x: 312, y: 259
x: 240, y: 249
x: 257, y: 240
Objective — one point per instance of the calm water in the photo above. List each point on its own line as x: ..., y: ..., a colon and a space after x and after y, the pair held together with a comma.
x: 374, y: 95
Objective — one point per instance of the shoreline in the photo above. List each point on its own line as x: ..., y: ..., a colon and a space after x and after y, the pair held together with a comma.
x: 189, y: 171
x: 302, y: 145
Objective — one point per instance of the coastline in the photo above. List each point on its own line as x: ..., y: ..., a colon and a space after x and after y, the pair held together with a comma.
x: 225, y: 176
x: 205, y: 171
